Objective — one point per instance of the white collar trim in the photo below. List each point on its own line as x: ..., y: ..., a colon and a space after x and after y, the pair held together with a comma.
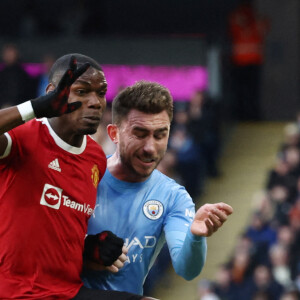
x: 62, y: 144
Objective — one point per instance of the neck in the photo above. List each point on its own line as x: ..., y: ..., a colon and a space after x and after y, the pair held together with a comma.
x: 65, y: 133
x: 121, y: 171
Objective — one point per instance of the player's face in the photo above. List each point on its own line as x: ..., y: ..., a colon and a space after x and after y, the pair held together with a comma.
x: 142, y: 143
x: 90, y: 89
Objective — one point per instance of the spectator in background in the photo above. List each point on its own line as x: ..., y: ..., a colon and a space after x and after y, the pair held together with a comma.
x: 190, y: 163
x: 279, y: 196
x: 294, y: 215
x: 280, y: 267
x: 262, y: 235
x: 263, y: 204
x: 187, y: 159
x: 291, y: 136
x: 247, y: 33
x: 297, y: 188
x: 261, y: 295
x: 205, y: 290
x: 275, y: 229
x: 280, y: 175
x: 204, y: 127
x: 15, y: 83
x: 262, y: 281
x: 224, y: 287
x: 291, y: 154
x: 290, y: 239
x: 290, y: 295
x: 240, y: 267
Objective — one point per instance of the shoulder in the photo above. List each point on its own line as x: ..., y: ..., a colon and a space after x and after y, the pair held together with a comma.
x: 162, y: 179
x: 95, y: 153
x: 94, y: 146
x: 169, y: 187
x: 176, y: 200
x: 29, y: 128
x: 23, y: 138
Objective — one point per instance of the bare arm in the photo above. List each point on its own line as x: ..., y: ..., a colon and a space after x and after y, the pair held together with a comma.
x: 9, y: 119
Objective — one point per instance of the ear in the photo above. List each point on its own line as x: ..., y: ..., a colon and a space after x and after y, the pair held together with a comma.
x: 50, y: 87
x: 113, y: 132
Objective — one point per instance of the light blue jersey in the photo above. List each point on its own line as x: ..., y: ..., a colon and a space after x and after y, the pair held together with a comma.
x: 146, y: 215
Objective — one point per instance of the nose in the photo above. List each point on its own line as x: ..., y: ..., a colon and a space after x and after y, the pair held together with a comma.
x: 95, y: 101
x: 149, y: 146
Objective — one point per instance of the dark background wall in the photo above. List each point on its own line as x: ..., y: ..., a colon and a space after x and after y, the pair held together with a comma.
x: 118, y: 50
x: 174, y: 32
x: 281, y: 77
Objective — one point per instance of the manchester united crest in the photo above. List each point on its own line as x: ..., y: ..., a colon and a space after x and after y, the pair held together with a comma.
x: 95, y: 175
x: 153, y: 209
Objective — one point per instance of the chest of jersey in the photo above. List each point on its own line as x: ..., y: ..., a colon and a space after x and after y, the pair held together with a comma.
x: 47, y: 195
x: 140, y: 213
x: 56, y: 179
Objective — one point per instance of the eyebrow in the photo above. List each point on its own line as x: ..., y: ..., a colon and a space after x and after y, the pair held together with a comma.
x: 79, y: 81
x: 146, y: 130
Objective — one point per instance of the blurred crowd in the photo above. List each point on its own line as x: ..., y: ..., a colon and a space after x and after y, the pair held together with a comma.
x: 265, y: 264
x: 16, y: 85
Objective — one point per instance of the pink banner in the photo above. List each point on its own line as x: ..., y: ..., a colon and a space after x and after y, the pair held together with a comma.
x: 182, y: 81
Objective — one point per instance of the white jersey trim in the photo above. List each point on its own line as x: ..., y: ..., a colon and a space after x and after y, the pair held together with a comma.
x: 8, y: 147
x: 62, y: 144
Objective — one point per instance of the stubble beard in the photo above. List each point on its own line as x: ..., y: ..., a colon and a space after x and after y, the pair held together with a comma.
x: 133, y: 171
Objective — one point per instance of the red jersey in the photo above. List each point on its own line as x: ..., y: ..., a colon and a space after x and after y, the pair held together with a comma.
x: 47, y: 194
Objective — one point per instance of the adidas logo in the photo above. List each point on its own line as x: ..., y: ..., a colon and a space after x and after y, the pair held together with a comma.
x: 55, y: 165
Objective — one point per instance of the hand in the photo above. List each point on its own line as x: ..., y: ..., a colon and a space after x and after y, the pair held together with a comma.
x: 209, y: 218
x: 55, y: 103
x: 119, y: 263
x: 104, y: 248
x: 114, y: 268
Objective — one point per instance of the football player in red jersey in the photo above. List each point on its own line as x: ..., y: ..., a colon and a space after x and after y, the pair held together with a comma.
x: 50, y: 168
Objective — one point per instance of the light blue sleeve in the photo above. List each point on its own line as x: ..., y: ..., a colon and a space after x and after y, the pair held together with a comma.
x: 188, y: 253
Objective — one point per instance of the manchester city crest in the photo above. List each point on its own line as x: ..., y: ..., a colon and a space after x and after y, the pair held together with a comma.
x: 153, y: 209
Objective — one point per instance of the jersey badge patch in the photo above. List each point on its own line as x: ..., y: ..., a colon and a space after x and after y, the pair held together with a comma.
x: 153, y: 209
x: 95, y: 175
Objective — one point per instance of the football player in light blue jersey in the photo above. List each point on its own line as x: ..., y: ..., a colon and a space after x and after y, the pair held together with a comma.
x: 140, y: 204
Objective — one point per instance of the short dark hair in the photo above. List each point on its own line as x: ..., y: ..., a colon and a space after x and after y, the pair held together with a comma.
x: 145, y: 96
x: 62, y: 64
